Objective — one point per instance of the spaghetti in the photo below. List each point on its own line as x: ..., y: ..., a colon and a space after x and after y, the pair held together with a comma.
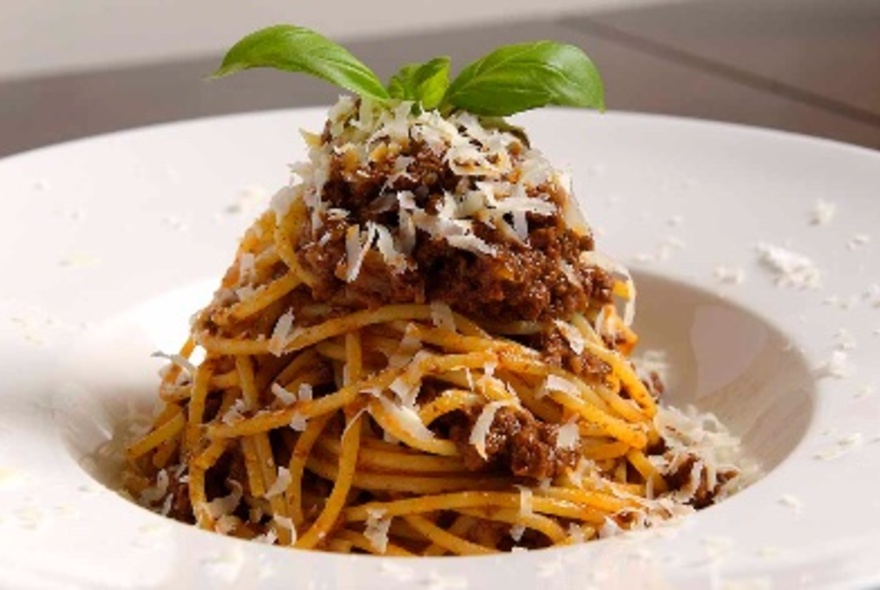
x: 417, y: 351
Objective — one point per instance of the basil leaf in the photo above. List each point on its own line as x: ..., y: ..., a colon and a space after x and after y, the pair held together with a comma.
x: 424, y: 83
x: 516, y: 78
x: 297, y: 49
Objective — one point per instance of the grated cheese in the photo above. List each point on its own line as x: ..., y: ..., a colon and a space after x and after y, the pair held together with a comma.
x: 574, y: 337
x: 482, y: 425
x: 283, y: 199
x: 177, y: 359
x: 286, y: 523
x: 286, y: 397
x: 609, y: 528
x: 525, y: 501
x: 836, y: 366
x: 226, y: 505
x: 356, y: 250
x: 858, y: 241
x: 576, y: 533
x: 281, y: 333
x: 408, y: 419
x: 822, y: 212
x: 298, y: 422
x: 562, y: 385
x: 441, y: 316
x: 304, y: 392
x: 282, y: 482
x: 246, y: 267
x: 568, y: 436
x: 793, y: 502
x: 385, y: 244
x: 730, y: 275
x: 268, y: 538
x: 376, y: 529
x: 790, y: 268
x: 844, y: 340
x: 235, y: 413
x: 157, y: 491
x: 652, y: 361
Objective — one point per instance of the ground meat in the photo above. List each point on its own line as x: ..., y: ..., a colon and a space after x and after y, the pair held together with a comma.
x: 517, y: 443
x: 557, y: 351
x: 519, y: 283
x: 523, y: 281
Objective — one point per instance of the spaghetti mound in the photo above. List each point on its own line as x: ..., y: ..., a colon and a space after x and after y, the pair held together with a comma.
x: 417, y: 351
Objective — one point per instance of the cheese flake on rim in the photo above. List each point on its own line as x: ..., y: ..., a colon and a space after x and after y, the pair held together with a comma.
x: 790, y: 268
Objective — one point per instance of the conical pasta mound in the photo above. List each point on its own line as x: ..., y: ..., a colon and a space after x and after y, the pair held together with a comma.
x: 417, y: 351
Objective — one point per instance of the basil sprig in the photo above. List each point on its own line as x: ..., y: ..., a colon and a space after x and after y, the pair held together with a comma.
x: 508, y: 80
x: 423, y: 83
x: 297, y: 49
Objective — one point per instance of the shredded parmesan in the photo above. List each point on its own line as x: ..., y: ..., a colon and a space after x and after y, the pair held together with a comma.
x: 281, y: 333
x: 568, y: 436
x: 304, y: 392
x: 235, y: 413
x: 156, y: 492
x: 574, y: 337
x: 609, y: 528
x: 441, y: 316
x: 286, y: 523
x: 355, y: 250
x: 376, y: 529
x: 177, y: 359
x: 837, y: 366
x: 286, y: 397
x: 576, y: 533
x: 225, y: 505
x: 408, y: 419
x: 483, y: 424
x: 246, y: 267
x: 282, y: 482
x: 823, y: 212
x: 793, y: 502
x: 562, y: 385
x: 730, y: 275
x: 525, y: 501
x: 298, y: 422
x: 790, y: 269
x: 858, y: 241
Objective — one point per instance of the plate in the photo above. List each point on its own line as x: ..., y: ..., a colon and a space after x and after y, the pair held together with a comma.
x: 758, y: 278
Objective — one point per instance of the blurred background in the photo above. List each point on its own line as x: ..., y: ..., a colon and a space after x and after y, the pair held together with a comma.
x: 73, y: 68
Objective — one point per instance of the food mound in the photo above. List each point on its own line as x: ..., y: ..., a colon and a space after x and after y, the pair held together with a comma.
x: 417, y: 350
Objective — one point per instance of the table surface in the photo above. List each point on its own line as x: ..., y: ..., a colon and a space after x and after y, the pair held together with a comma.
x: 809, y: 67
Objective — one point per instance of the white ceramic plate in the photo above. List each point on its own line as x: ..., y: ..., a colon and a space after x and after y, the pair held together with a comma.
x: 109, y: 244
